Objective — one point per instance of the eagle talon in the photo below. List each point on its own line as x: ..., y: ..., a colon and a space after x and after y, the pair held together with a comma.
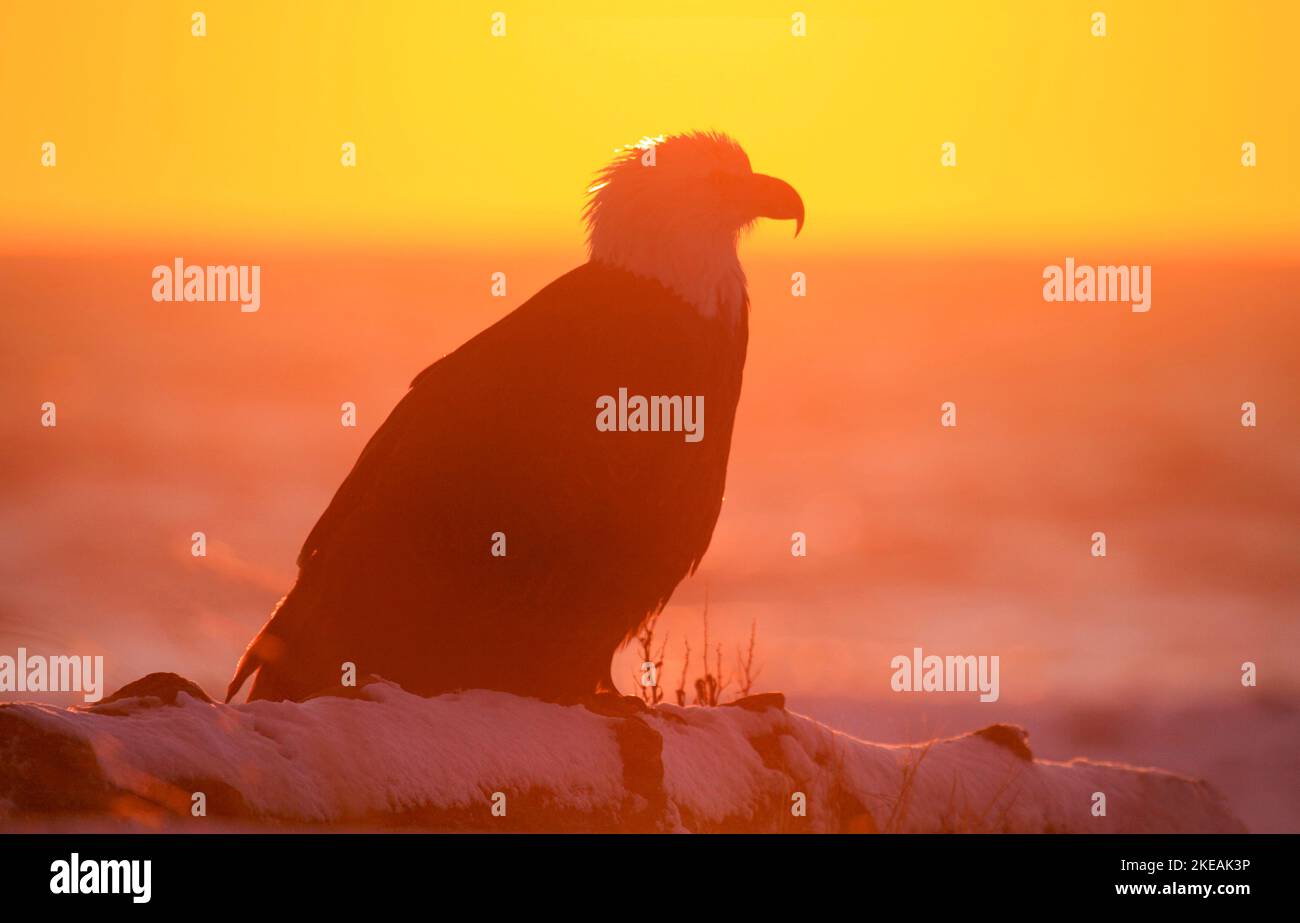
x: 613, y: 705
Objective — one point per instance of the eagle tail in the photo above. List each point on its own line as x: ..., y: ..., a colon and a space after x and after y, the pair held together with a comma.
x: 266, y: 646
x: 248, y: 665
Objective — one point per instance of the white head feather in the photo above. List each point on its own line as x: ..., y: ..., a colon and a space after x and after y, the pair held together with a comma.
x: 662, y: 210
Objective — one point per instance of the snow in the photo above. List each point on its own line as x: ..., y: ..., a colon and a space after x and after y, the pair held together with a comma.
x: 385, y: 758
x: 330, y: 759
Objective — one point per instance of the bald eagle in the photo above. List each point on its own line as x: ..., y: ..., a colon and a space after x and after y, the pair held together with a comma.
x: 508, y: 527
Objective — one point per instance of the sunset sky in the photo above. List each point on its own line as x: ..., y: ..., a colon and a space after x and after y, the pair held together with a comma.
x: 469, y: 140
x: 473, y: 154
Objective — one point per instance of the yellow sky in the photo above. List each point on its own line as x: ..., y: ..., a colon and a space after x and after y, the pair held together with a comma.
x: 468, y: 139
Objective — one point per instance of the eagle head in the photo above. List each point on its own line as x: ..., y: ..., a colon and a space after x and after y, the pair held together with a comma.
x: 672, y: 209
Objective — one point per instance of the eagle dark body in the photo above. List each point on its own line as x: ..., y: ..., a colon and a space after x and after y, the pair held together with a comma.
x: 500, y: 436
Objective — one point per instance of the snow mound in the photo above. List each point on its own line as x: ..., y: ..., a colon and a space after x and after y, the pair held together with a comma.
x: 484, y: 761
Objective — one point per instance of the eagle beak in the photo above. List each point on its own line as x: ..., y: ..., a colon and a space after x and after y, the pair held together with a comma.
x: 769, y: 197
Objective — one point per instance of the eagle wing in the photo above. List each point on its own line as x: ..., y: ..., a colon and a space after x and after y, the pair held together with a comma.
x: 499, y: 437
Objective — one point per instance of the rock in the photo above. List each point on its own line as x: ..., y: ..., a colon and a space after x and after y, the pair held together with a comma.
x: 151, y: 691
x: 1015, y: 739
x: 760, y: 702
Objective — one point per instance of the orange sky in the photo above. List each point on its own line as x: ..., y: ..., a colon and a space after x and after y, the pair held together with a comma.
x: 472, y: 156
x: 469, y: 140
x: 1072, y: 418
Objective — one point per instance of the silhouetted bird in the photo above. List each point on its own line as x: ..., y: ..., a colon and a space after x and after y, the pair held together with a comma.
x: 521, y: 442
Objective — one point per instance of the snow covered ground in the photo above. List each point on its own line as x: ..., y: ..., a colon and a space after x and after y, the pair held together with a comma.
x: 480, y: 760
x: 1244, y: 745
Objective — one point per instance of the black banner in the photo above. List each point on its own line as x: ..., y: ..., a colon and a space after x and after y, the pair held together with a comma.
x: 298, y: 871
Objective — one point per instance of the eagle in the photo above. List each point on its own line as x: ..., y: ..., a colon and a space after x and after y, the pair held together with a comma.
x: 507, y: 527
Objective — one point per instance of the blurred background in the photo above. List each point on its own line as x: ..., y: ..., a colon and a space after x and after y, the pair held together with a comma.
x: 924, y: 286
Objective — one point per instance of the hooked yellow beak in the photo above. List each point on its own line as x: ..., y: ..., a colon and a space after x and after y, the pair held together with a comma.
x: 769, y: 197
